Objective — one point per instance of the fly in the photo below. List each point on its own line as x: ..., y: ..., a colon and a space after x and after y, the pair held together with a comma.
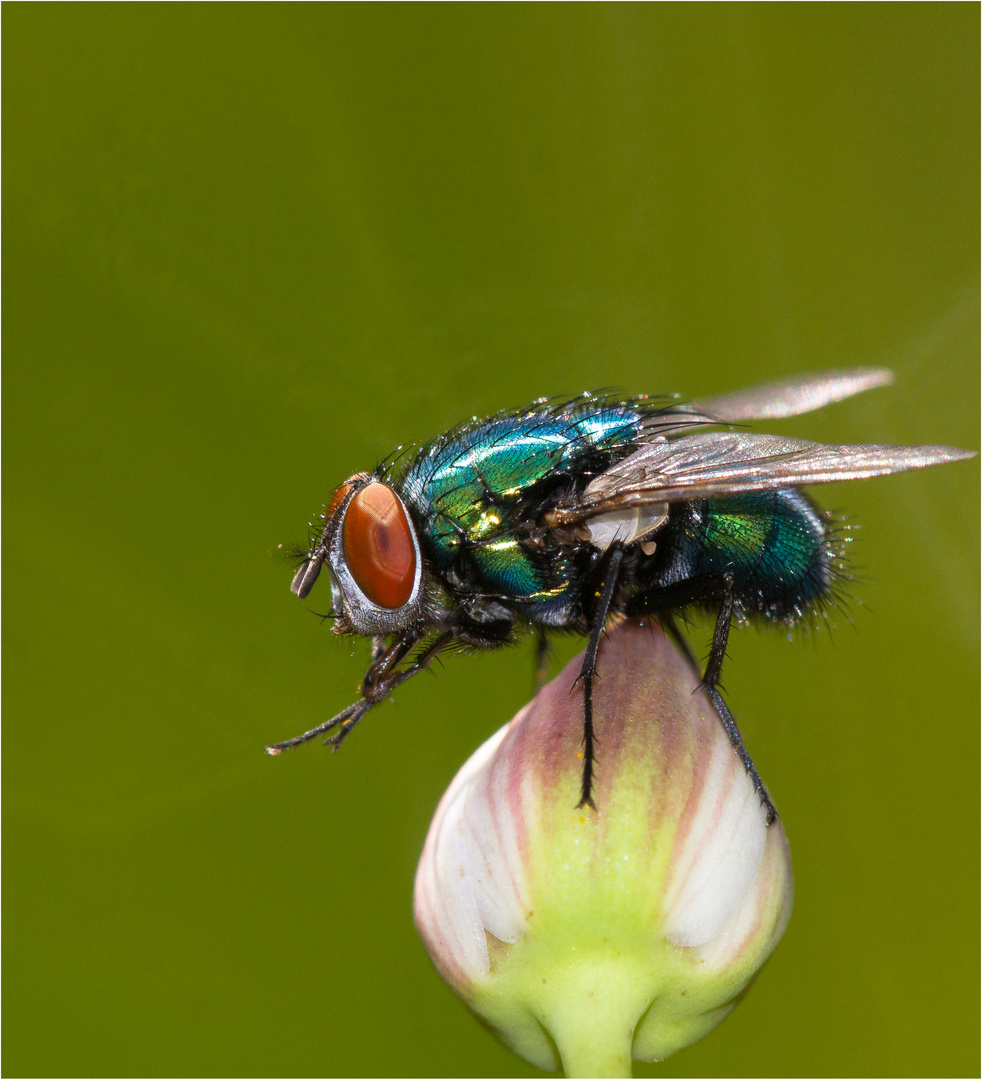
x: 566, y: 514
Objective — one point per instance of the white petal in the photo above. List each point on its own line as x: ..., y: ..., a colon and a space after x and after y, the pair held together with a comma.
x: 470, y: 875
x: 494, y: 857
x: 716, y: 862
x: 772, y: 880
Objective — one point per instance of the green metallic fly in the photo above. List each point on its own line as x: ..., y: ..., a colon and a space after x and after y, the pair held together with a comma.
x: 565, y: 514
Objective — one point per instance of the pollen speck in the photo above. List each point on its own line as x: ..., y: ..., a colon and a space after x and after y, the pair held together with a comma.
x: 579, y: 753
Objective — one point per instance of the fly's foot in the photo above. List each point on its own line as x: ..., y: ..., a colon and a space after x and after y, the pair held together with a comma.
x: 765, y: 799
x: 351, y: 714
x: 335, y: 740
x: 586, y: 800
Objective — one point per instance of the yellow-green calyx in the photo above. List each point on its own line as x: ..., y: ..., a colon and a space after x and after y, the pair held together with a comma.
x: 587, y: 939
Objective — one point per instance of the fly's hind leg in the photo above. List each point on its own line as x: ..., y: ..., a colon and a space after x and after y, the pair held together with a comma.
x: 702, y: 590
x: 671, y: 627
x: 589, y: 669
x: 541, y: 659
x: 710, y: 681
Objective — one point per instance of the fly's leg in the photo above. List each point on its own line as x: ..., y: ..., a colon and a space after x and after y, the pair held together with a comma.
x: 736, y: 740
x: 589, y: 668
x: 701, y: 590
x: 670, y: 626
x: 385, y: 659
x: 541, y: 659
x: 376, y: 687
x: 710, y: 681
x: 328, y: 725
x: 379, y: 690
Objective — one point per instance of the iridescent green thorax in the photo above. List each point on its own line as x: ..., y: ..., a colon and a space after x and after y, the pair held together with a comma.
x: 473, y: 486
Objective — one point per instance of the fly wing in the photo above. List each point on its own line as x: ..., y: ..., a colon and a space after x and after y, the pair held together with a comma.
x: 791, y: 397
x: 725, y: 463
x: 770, y: 401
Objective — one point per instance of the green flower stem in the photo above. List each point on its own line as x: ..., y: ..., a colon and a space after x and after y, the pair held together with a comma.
x: 591, y: 1011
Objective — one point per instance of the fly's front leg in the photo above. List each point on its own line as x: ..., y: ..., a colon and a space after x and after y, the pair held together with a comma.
x: 604, y: 596
x: 381, y: 679
x: 383, y: 660
x: 383, y: 685
x: 359, y: 708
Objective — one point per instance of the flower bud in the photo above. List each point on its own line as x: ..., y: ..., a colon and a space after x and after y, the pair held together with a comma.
x: 587, y: 938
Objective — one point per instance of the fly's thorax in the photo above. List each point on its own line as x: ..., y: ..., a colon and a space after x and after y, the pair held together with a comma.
x: 370, y: 548
x: 481, y: 489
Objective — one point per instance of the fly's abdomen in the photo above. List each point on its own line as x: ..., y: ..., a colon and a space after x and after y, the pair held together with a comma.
x: 775, y: 544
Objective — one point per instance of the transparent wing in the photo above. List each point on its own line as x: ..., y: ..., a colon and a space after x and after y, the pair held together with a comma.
x: 724, y: 463
x: 791, y: 397
x: 773, y: 400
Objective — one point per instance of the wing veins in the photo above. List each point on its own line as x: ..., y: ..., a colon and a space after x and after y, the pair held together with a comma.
x: 725, y: 463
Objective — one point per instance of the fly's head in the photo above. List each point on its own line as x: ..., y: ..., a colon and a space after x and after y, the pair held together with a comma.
x: 372, y: 556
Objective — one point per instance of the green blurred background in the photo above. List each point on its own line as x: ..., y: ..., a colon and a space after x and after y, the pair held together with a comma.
x: 250, y: 249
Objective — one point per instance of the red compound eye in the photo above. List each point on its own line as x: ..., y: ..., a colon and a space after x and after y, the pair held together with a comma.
x: 337, y: 498
x: 378, y: 546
